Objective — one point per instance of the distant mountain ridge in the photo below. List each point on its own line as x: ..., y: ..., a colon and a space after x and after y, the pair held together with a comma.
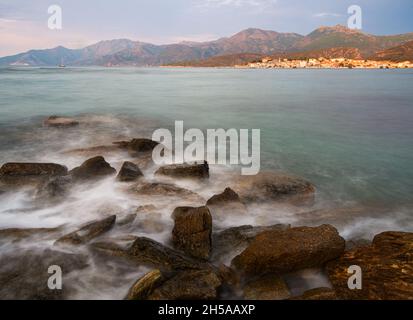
x: 124, y: 52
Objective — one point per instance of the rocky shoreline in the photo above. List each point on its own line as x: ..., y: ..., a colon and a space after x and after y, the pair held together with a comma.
x: 199, y: 260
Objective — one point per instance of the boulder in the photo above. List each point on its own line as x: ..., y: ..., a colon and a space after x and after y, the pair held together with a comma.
x: 267, y: 287
x: 186, y: 171
x: 386, y: 265
x: 273, y: 186
x: 60, y: 122
x: 88, y: 232
x: 189, y: 285
x: 233, y: 241
x: 164, y: 190
x: 24, y: 274
x: 192, y: 231
x: 54, y: 187
x: 147, y: 252
x: 226, y: 203
x: 138, y: 146
x: 317, y: 294
x: 145, y: 285
x: 93, y: 168
x: 283, y: 251
x: 15, y: 169
x: 129, y: 172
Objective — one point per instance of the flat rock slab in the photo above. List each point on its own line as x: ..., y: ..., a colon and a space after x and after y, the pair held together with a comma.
x: 386, y: 265
x: 185, y: 171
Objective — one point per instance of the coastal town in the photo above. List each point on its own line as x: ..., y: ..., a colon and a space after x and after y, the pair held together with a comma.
x: 324, y: 63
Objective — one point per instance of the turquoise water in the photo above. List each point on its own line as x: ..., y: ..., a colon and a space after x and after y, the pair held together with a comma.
x: 350, y: 132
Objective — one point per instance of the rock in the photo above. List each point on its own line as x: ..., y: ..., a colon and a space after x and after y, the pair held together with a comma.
x: 145, y: 285
x: 317, y: 294
x: 267, y: 287
x: 283, y: 251
x: 356, y: 243
x: 129, y: 219
x: 14, y: 169
x: 55, y: 187
x: 60, y: 122
x: 228, y: 195
x: 150, y: 222
x: 137, y: 146
x: 129, y: 172
x: 189, y: 285
x: 234, y: 240
x: 164, y: 189
x: 192, y: 231
x: 386, y: 265
x: 94, y: 151
x: 88, y: 232
x: 226, y: 203
x: 93, y: 168
x: 24, y: 274
x: 267, y: 186
x: 18, y: 234
x: 188, y: 171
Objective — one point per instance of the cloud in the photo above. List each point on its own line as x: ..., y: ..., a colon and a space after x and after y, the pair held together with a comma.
x: 327, y: 14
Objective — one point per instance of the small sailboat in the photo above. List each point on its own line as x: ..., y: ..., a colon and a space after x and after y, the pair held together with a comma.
x: 62, y: 65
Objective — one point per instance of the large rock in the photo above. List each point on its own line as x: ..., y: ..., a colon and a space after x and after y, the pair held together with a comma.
x: 186, y: 171
x: 386, y: 265
x: 147, y: 252
x: 54, y: 187
x: 88, y: 232
x: 164, y: 190
x: 189, y: 285
x: 24, y: 274
x: 192, y: 231
x: 267, y: 186
x: 283, y: 251
x: 232, y: 241
x: 93, y: 168
x: 60, y: 122
x: 226, y: 203
x: 129, y: 172
x: 268, y: 287
x: 145, y: 285
x: 138, y: 146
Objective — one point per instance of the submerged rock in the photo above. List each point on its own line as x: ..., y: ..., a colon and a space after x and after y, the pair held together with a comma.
x: 188, y: 171
x: 145, y: 285
x: 18, y: 234
x: 164, y: 189
x: 24, y: 274
x: 386, y: 265
x: 317, y: 294
x: 92, y: 168
x: 137, y: 146
x: 189, y: 285
x: 192, y: 231
x: 282, y: 251
x: 129, y: 172
x: 267, y: 186
x: 226, y: 203
x: 56, y: 121
x: 88, y: 232
x: 55, y: 187
x: 267, y: 287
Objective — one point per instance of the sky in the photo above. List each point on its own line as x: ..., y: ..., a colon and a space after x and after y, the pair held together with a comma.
x: 23, y: 23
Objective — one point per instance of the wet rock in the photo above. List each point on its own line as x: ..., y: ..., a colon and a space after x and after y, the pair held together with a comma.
x: 138, y: 146
x: 60, y: 122
x: 267, y: 287
x: 24, y: 275
x: 192, y: 231
x: 267, y: 186
x: 150, y: 222
x: 164, y: 189
x: 55, y: 187
x: 18, y: 234
x: 145, y: 285
x: 145, y: 251
x: 189, y: 285
x: 186, y: 171
x: 282, y: 251
x: 129, y: 219
x: 226, y: 203
x: 234, y: 240
x: 356, y: 243
x: 387, y: 269
x: 93, y: 168
x: 317, y: 294
x: 88, y: 232
x: 129, y: 172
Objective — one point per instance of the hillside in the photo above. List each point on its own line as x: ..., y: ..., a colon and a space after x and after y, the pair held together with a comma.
x: 400, y: 53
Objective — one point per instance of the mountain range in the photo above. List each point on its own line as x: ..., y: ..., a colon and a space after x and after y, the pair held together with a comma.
x: 243, y: 46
